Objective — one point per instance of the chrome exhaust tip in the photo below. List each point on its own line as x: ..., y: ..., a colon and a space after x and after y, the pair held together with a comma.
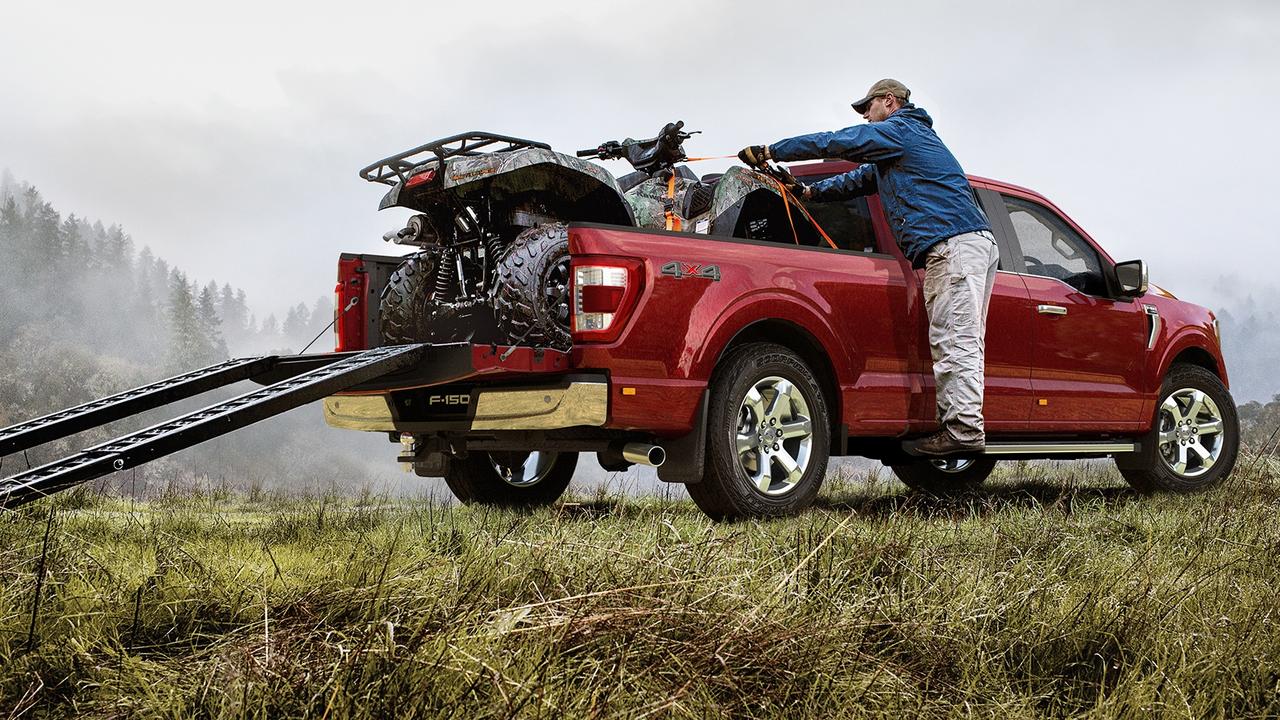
x: 644, y: 454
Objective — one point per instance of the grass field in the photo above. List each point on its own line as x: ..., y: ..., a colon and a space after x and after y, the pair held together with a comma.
x: 1053, y: 592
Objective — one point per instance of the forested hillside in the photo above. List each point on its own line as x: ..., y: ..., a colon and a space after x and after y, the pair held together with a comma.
x: 84, y: 313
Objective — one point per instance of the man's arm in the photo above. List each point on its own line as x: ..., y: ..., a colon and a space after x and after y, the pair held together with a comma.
x: 873, y: 142
x: 858, y: 181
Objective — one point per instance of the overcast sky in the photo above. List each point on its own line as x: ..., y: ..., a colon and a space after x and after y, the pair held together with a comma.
x: 228, y: 137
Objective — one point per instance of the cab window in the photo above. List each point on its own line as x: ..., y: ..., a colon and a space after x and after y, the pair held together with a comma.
x: 1050, y: 248
x: 848, y: 222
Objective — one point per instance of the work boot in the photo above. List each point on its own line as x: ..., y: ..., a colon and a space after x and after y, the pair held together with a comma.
x: 944, y: 443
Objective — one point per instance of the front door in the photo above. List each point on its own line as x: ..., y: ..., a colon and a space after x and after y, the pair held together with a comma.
x: 1088, y: 349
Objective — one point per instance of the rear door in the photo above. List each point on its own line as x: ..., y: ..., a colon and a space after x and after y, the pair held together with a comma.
x: 1088, y: 348
x: 1007, y: 397
x: 1007, y: 393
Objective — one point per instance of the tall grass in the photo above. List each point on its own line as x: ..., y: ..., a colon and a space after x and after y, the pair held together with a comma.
x: 1054, y: 591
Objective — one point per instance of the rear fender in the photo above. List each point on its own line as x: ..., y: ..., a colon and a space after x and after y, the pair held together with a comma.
x: 772, y: 305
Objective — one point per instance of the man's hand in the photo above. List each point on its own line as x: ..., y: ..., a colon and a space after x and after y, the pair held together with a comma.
x: 755, y: 155
x: 794, y: 186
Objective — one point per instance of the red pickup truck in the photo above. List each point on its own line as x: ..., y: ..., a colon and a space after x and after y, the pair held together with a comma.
x: 739, y: 366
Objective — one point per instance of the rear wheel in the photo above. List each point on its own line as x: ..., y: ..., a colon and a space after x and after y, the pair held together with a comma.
x: 767, y: 436
x: 1194, y: 437
x: 513, y: 479
x: 530, y: 297
x: 944, y: 476
x: 402, y: 316
x: 411, y: 310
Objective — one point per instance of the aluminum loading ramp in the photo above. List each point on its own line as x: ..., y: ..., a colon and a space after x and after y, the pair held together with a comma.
x: 336, y: 372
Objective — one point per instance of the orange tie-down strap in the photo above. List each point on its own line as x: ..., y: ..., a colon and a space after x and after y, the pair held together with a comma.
x: 788, y: 198
x: 673, y: 220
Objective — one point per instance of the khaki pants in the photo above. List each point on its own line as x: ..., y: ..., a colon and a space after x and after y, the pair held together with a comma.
x: 958, y: 276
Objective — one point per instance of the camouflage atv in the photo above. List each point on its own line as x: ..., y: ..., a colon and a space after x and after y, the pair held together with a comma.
x: 494, y: 259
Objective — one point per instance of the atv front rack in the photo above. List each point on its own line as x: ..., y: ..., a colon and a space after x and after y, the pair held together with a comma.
x: 398, y: 168
x: 305, y: 380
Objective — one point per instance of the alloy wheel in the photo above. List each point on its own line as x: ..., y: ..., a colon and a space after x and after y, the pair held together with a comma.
x: 520, y: 469
x: 1191, y: 437
x: 774, y: 435
x: 952, y: 465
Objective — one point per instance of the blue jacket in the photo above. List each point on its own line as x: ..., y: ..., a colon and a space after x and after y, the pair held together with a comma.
x: 922, y: 188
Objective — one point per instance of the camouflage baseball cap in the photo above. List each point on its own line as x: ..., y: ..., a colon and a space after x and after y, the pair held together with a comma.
x: 887, y: 86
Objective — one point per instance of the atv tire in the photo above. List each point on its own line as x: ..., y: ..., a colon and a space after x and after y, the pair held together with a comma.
x: 402, y: 319
x: 408, y: 313
x: 511, y: 479
x: 530, y: 296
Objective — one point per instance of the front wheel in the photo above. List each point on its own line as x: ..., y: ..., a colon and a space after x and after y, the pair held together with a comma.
x: 511, y: 479
x: 944, y: 476
x: 767, y: 436
x: 1194, y: 436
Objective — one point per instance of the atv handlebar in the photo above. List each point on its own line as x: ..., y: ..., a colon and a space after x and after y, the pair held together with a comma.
x: 646, y: 155
x: 607, y: 150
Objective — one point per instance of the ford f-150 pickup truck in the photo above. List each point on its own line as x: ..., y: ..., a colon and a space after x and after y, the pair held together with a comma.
x: 739, y: 361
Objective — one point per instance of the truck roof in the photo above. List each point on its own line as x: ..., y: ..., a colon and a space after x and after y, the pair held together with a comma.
x: 827, y: 167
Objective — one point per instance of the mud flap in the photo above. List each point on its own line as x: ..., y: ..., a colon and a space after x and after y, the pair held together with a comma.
x: 687, y: 454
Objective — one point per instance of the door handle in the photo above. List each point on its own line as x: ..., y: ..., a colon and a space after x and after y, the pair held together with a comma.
x: 1051, y: 310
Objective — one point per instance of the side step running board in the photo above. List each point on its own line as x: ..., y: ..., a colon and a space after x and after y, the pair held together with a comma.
x: 194, y: 428
x: 1042, y: 448
x: 1060, y: 448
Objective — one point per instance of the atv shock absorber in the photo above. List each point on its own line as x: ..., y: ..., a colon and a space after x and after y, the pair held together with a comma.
x: 492, y: 246
x: 444, y: 274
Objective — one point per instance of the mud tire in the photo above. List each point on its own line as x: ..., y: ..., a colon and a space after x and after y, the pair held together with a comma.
x: 402, y: 319
x: 923, y: 476
x: 530, y: 274
x: 475, y: 481
x: 726, y: 491
x: 1147, y: 472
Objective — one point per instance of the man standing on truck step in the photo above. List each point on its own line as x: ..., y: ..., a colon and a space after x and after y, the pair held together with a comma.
x: 938, y: 225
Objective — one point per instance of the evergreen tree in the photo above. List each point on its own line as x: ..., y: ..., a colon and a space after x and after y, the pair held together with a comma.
x: 13, y: 313
x: 210, y: 326
x: 296, y: 323
x: 187, y: 346
x: 8, y: 186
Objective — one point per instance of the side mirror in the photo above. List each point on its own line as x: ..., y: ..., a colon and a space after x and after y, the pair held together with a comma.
x: 1131, y: 278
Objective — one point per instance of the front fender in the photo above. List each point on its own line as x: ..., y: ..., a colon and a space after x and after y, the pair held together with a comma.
x: 1188, y: 338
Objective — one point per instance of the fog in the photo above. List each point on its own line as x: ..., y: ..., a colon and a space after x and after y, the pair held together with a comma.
x: 228, y: 138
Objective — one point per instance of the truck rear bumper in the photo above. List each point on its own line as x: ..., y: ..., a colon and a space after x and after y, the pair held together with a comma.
x: 582, y: 401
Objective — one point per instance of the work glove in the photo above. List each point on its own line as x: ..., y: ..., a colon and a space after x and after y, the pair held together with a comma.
x: 793, y: 186
x: 755, y: 155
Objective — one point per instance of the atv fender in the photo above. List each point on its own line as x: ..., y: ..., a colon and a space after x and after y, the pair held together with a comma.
x: 730, y: 196
x: 574, y: 187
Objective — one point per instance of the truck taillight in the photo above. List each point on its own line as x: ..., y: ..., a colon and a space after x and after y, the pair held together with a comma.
x: 603, y: 291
